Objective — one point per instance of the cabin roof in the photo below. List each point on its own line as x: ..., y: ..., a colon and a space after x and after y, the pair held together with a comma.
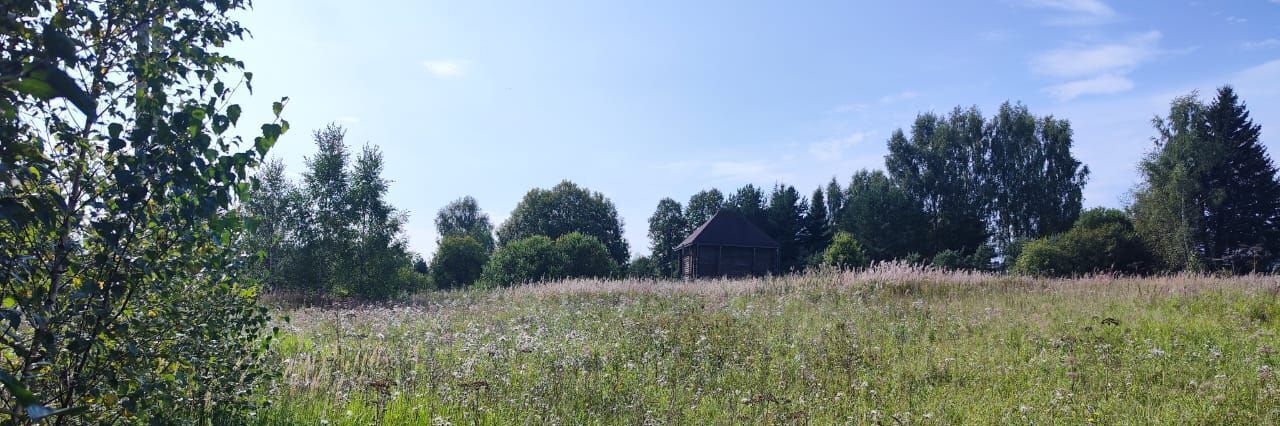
x: 728, y: 228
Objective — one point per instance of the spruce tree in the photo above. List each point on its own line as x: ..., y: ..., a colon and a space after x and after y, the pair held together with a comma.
x: 817, y: 226
x: 1244, y: 210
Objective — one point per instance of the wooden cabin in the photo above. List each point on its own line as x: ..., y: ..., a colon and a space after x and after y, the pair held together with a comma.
x: 728, y: 245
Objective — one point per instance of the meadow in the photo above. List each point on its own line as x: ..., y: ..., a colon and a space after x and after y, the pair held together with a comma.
x: 889, y: 345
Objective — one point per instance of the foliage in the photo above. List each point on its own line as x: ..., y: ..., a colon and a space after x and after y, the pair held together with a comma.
x: 835, y: 201
x: 1009, y: 178
x: 458, y: 262
x: 667, y: 228
x: 977, y: 260
x: 880, y: 215
x: 334, y: 233
x: 702, y: 206
x: 643, y: 267
x: 1032, y: 182
x: 1102, y: 240
x: 750, y: 202
x: 1209, y: 195
x: 126, y: 296
x: 935, y: 169
x: 885, y: 346
x: 463, y: 217
x: 785, y: 215
x: 1242, y: 224
x: 527, y: 260
x: 563, y: 209
x: 845, y: 252
x: 538, y: 258
x: 586, y: 257
x: 816, y: 226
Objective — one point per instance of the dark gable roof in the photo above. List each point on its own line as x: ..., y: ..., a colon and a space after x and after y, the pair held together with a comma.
x: 728, y: 228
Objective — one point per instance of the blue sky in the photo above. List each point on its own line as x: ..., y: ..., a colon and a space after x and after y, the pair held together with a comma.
x: 644, y: 100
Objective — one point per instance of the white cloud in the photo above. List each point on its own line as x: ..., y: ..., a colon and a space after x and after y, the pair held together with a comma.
x: 445, y: 68
x: 349, y: 119
x: 1081, y: 61
x: 851, y: 107
x: 995, y: 35
x: 834, y: 148
x: 1105, y: 84
x: 1261, y: 44
x: 1088, y: 7
x: 899, y: 97
x: 1099, y: 69
x: 1260, y: 81
x: 1236, y: 20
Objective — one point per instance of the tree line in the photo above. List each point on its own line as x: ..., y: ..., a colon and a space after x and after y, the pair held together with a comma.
x: 958, y: 191
x: 1005, y: 193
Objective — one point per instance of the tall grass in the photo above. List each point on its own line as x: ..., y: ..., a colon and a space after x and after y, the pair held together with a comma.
x: 890, y: 345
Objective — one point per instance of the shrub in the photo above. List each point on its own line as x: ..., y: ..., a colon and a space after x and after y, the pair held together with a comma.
x: 587, y: 257
x: 458, y: 262
x: 950, y: 260
x: 526, y: 260
x: 1102, y: 240
x: 642, y: 267
x: 844, y: 252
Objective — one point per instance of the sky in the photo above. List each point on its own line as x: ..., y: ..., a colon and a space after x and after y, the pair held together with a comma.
x: 653, y: 99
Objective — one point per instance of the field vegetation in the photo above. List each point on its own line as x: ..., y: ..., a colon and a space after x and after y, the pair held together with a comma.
x: 890, y: 345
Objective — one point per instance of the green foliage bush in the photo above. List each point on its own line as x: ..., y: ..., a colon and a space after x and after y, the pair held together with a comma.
x: 526, y: 260
x: 126, y: 295
x: 458, y: 262
x: 1102, y: 240
x: 844, y: 252
x: 950, y: 260
x: 566, y: 208
x: 539, y: 258
x: 643, y: 267
x: 587, y: 257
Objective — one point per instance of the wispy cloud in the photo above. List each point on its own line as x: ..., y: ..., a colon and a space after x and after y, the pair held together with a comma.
x: 1076, y: 12
x: 995, y: 35
x: 351, y: 119
x: 1261, y: 44
x: 1088, y: 7
x: 1079, y: 61
x: 1097, y: 69
x: 834, y: 148
x: 445, y: 68
x: 851, y: 107
x: 1236, y: 20
x: 1101, y: 85
x: 899, y: 97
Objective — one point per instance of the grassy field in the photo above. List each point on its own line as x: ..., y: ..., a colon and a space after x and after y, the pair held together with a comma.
x: 894, y: 345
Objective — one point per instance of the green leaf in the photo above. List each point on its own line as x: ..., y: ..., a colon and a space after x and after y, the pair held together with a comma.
x: 276, y: 107
x: 233, y: 113
x: 19, y: 392
x: 58, y: 84
x: 35, y: 87
x: 59, y: 45
x: 114, y: 129
x: 9, y: 301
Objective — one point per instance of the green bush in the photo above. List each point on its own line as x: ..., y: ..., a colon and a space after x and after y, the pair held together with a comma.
x: 526, y: 260
x: 458, y: 262
x: 1102, y: 240
x: 979, y: 260
x: 539, y: 258
x: 587, y: 257
x: 642, y: 267
x: 844, y: 252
